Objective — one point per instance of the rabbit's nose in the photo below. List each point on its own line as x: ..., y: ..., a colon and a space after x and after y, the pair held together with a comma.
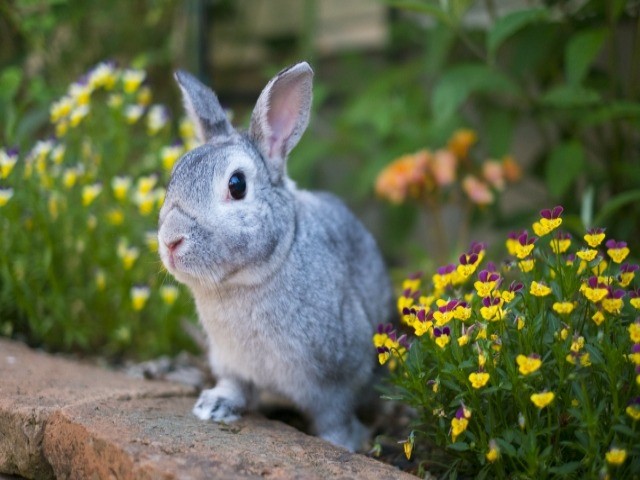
x: 174, y: 244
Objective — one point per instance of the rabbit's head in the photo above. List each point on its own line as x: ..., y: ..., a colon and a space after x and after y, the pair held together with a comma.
x: 228, y: 214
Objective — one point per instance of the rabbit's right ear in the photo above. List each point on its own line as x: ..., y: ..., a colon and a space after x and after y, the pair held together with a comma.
x: 281, y: 115
x: 203, y: 108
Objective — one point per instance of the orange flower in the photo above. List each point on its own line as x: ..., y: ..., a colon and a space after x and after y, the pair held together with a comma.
x: 477, y: 190
x: 493, y: 173
x: 404, y: 177
x: 511, y: 170
x: 461, y: 141
x: 444, y: 167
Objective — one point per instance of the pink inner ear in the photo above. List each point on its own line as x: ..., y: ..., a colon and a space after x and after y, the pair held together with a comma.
x: 283, y: 114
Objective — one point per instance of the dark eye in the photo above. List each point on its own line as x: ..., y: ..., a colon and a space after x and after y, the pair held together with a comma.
x: 237, y: 186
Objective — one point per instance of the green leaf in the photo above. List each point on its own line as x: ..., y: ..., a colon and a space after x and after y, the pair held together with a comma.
x: 580, y: 53
x: 570, y: 96
x: 10, y: 79
x: 566, y: 468
x: 499, y: 132
x: 459, y: 82
x: 614, y: 204
x: 429, y: 9
x: 620, y: 110
x: 511, y: 23
x: 459, y: 446
x: 625, y: 430
x: 566, y: 161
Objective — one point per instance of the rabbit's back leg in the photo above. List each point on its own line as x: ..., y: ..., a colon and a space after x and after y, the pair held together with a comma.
x: 225, y: 402
x: 336, y: 422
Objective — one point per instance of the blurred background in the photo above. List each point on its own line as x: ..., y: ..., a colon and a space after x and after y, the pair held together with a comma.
x: 438, y: 122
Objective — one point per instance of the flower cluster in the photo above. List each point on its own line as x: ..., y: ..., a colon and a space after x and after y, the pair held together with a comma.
x: 426, y: 175
x: 80, y: 209
x: 534, y: 362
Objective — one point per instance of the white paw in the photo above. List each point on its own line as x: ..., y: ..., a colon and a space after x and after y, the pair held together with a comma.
x: 213, y: 406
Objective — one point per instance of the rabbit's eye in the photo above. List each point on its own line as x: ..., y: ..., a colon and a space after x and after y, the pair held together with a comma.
x: 237, y: 186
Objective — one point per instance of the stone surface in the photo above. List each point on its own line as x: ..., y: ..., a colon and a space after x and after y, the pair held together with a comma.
x: 33, y: 385
x: 66, y: 420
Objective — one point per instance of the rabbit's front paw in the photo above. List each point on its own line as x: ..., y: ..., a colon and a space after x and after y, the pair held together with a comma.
x: 213, y: 405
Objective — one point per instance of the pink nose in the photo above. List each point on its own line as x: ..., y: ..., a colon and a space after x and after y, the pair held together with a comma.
x: 173, y: 245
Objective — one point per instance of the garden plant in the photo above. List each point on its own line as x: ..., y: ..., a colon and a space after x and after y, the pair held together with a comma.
x: 527, y: 367
x: 78, y: 214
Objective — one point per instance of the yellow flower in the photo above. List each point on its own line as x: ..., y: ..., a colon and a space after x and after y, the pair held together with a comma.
x: 101, y: 280
x: 560, y: 245
x: 169, y: 294
x: 598, y: 318
x: 60, y: 109
x: 612, y: 305
x: 564, y: 333
x: 408, y: 447
x: 546, y: 225
x: 103, y: 75
x: 586, y: 254
x: 494, y: 452
x: 169, y: 155
x: 616, y: 456
x: 594, y: 237
x: 157, y: 119
x: 563, y: 308
x: 526, y: 265
x: 120, y: 187
x: 520, y: 323
x: 528, y: 365
x: 146, y: 184
x: 89, y: 193
x: 577, y: 344
x: 57, y: 154
x: 633, y: 411
x: 78, y: 114
x: 458, y: 426
x: 594, y: 292
x: 128, y: 255
x: 62, y: 127
x: 7, y: 162
x: 151, y: 239
x: 144, y: 97
x: 5, y: 196
x: 145, y: 202
x: 541, y: 400
x: 539, y: 289
x: 80, y: 93
x: 478, y: 379
x: 186, y: 129
x: 115, y: 216
x: 634, y: 332
x: 618, y: 254
x: 463, y: 340
x: 523, y: 251
x: 139, y: 297
x: 635, y: 303
x: 132, y: 79
x: 115, y: 100
x: 442, y: 341
x: 482, y: 358
x: 133, y: 113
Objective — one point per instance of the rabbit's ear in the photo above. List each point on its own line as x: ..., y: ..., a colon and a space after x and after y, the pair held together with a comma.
x: 281, y: 114
x: 203, y: 108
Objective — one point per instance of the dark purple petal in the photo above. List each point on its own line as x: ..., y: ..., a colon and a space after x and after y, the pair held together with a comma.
x: 446, y: 331
x: 635, y: 348
x: 546, y: 213
x: 421, y: 315
x: 557, y: 211
x: 437, y: 332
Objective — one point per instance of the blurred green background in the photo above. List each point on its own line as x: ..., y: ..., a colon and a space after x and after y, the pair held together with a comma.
x: 554, y: 84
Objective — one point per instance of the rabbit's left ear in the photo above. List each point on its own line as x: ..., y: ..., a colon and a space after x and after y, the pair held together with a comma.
x: 281, y: 115
x: 203, y: 108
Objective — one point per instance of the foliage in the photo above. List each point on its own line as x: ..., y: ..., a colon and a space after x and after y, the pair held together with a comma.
x: 449, y: 176
x: 555, y: 82
x: 527, y: 371
x: 79, y: 269
x: 43, y: 43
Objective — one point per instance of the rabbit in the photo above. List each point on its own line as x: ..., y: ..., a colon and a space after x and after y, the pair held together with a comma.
x: 287, y: 283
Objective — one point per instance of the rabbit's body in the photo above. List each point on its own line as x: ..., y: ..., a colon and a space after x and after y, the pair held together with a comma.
x: 288, y: 284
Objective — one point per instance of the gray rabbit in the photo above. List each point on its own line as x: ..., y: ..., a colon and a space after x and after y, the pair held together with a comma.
x: 288, y: 284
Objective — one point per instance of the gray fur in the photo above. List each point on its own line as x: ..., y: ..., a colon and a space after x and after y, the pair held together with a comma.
x: 288, y: 284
